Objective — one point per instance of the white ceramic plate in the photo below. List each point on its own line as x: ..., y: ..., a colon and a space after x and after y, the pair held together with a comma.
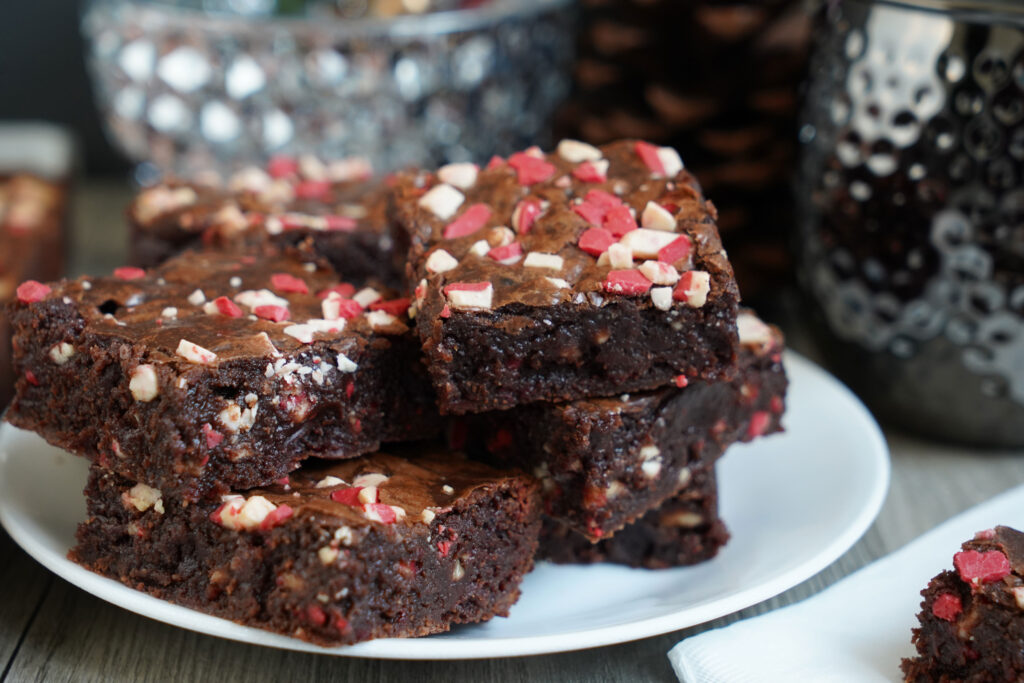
x: 794, y: 503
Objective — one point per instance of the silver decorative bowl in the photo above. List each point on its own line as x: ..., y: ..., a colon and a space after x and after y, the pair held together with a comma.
x: 912, y: 210
x: 184, y: 89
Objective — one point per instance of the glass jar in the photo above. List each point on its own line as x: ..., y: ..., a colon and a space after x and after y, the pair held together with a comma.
x: 187, y: 89
x: 911, y: 210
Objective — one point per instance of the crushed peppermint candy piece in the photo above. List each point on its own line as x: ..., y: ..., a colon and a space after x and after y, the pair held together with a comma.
x: 675, y: 251
x: 395, y: 307
x: 659, y: 273
x: 664, y: 162
x: 531, y: 169
x: 30, y: 291
x: 656, y: 217
x: 195, y: 353
x: 273, y: 313
x: 557, y: 282
x: 693, y: 288
x: 284, y: 282
x: 595, y: 241
x: 646, y: 243
x: 525, y: 215
x: 981, y: 567
x: 259, y: 297
x: 469, y: 295
x: 620, y: 256
x: 345, y: 364
x: 304, y: 331
x: 591, y: 171
x: 507, y: 254
x: 461, y: 175
x: 628, y: 282
x: 537, y: 259
x: 143, y: 383
x: 471, y: 220
x: 661, y: 297
x: 282, y: 167
x: 575, y: 151
x: 366, y: 296
x: 197, y: 298
x: 129, y: 273
x: 334, y: 307
x: 442, y: 200
x: 440, y: 261
x: 226, y: 306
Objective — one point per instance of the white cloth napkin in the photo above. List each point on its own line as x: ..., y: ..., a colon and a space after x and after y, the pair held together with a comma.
x: 856, y: 630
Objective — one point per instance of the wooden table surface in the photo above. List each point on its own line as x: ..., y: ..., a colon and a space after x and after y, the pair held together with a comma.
x: 52, y: 631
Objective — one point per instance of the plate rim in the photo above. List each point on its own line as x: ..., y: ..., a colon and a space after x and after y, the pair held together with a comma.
x: 434, y: 648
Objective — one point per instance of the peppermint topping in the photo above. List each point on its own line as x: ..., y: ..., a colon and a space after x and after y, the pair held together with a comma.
x: 461, y: 175
x: 143, y: 383
x: 195, y: 353
x: 531, y: 169
x: 129, y: 273
x: 628, y: 282
x: 286, y: 283
x: 656, y: 217
x: 442, y: 200
x: 469, y: 295
x: 440, y: 261
x: 646, y: 243
x: 537, y: 259
x: 472, y: 219
x: 575, y: 151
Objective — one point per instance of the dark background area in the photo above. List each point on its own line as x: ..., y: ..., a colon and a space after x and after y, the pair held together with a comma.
x: 43, y: 75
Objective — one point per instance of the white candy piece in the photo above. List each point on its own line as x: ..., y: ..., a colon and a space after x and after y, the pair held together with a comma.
x: 330, y: 307
x: 659, y: 273
x: 353, y: 168
x: 461, y: 175
x: 327, y: 554
x: 698, y: 288
x: 366, y: 296
x: 463, y: 299
x: 259, y: 297
x: 143, y: 497
x: 379, y: 319
x: 195, y: 353
x: 368, y: 494
x: 197, y: 298
x: 345, y: 364
x: 329, y: 481
x: 558, y: 282
x: 501, y: 236
x: 370, y: 479
x: 143, y: 384
x: 231, y: 220
x: 661, y: 297
x: 670, y: 161
x: 312, y: 168
x: 440, y: 261
x: 253, y: 512
x: 656, y: 217
x: 251, y: 179
x: 442, y: 200
x: 620, y: 256
x: 646, y: 243
x: 169, y: 312
x: 537, y: 259
x: 752, y: 331
x: 304, y: 331
x: 480, y: 248
x: 61, y: 353
x: 575, y: 151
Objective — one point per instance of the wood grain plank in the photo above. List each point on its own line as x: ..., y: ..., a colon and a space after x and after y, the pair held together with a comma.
x: 23, y: 582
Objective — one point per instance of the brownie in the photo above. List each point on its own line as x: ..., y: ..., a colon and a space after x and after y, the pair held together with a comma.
x: 33, y: 213
x: 387, y: 545
x: 685, y: 530
x: 336, y: 205
x: 533, y: 281
x: 972, y: 619
x: 605, y: 462
x: 216, y: 371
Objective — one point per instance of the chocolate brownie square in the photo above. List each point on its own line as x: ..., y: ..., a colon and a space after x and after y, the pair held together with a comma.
x: 605, y: 462
x: 388, y: 545
x: 685, y: 530
x: 972, y: 619
x: 216, y: 371
x: 334, y: 204
x: 586, y: 272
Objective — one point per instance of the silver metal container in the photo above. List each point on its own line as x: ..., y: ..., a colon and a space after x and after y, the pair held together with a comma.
x: 911, y: 223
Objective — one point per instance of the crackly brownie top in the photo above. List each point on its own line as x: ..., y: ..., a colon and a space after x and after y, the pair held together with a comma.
x: 991, y: 564
x: 580, y: 225
x: 411, y: 488
x: 204, y: 307
x: 289, y: 194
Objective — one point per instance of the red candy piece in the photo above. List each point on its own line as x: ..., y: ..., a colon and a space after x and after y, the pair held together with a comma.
x: 227, y: 307
x: 467, y: 287
x: 591, y: 213
x: 340, y: 223
x: 213, y: 437
x: 349, y: 496
x: 947, y: 606
x: 443, y: 547
x: 596, y: 241
x: 385, y: 512
x: 30, y: 377
x: 472, y: 219
x: 681, y: 381
x: 31, y: 291
x: 495, y: 162
x: 283, y: 282
x: 343, y: 289
x: 276, y: 517
x: 316, y: 615
x: 506, y: 252
x: 292, y: 222
x: 618, y: 221
x: 312, y: 189
x: 758, y: 424
x: 588, y: 173
x: 395, y: 307
x: 676, y: 250
x: 530, y: 169
x: 271, y: 312
x: 129, y: 273
x: 975, y: 567
x: 526, y: 215
x: 282, y: 167
x: 649, y: 155
x: 605, y: 200
x: 628, y: 282
x: 348, y: 309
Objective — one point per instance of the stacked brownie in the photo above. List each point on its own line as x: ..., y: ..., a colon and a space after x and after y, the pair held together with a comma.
x: 289, y: 431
